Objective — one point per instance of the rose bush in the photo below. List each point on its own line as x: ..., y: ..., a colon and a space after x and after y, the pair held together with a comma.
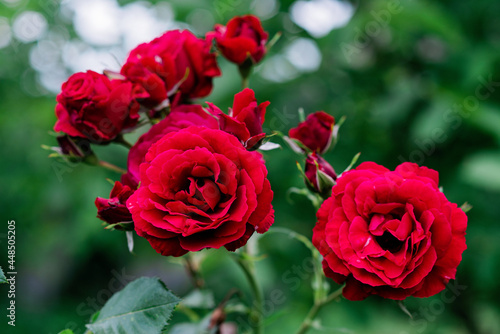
x: 200, y: 188
x: 161, y: 66
x: 390, y: 233
x: 94, y: 107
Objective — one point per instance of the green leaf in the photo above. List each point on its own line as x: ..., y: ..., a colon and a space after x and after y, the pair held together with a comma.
x: 353, y: 162
x: 66, y: 331
x: 403, y: 308
x: 143, y: 306
x: 466, y: 207
x: 130, y: 241
x: 3, y: 279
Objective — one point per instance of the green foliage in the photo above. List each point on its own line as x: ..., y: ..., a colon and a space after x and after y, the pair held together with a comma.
x: 3, y: 279
x: 143, y: 306
x: 66, y: 331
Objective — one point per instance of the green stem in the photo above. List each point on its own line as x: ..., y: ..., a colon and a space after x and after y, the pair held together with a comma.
x: 194, y: 272
x: 256, y: 313
x: 313, y: 312
x: 111, y: 167
x: 245, y: 82
x: 122, y: 141
x: 192, y: 315
x: 318, y: 283
x: 245, y: 71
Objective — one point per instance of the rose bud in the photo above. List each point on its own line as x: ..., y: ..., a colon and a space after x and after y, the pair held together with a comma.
x: 243, y: 37
x: 390, y: 233
x: 320, y: 174
x: 94, y: 107
x: 74, y: 148
x: 315, y: 133
x: 113, y: 210
x: 175, y: 61
x: 245, y: 118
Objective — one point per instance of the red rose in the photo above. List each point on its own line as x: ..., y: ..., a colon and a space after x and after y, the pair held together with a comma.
x: 390, y: 233
x: 245, y: 119
x: 319, y: 173
x: 114, y: 210
x: 200, y: 188
x: 179, y: 118
x: 315, y: 133
x: 94, y: 107
x: 161, y: 65
x: 243, y: 37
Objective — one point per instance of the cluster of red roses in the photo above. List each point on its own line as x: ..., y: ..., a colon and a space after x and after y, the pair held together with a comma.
x: 202, y: 184
x: 194, y: 180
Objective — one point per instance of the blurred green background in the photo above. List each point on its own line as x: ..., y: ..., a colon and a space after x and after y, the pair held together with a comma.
x: 417, y: 80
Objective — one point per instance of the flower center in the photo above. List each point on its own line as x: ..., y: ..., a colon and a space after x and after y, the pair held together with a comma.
x: 389, y: 242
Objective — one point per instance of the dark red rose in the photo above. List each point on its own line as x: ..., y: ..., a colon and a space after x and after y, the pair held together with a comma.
x: 245, y: 119
x: 113, y: 210
x: 200, y: 188
x: 320, y: 174
x: 242, y: 38
x: 390, y: 233
x: 179, y: 118
x: 161, y: 66
x: 92, y: 106
x: 315, y: 133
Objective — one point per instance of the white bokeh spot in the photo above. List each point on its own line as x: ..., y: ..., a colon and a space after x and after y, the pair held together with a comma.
x: 319, y: 17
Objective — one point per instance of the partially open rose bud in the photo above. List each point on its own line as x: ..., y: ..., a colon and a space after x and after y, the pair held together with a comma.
x: 243, y: 37
x: 74, y: 149
x: 113, y: 210
x: 245, y: 119
x: 315, y: 133
x: 320, y: 174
